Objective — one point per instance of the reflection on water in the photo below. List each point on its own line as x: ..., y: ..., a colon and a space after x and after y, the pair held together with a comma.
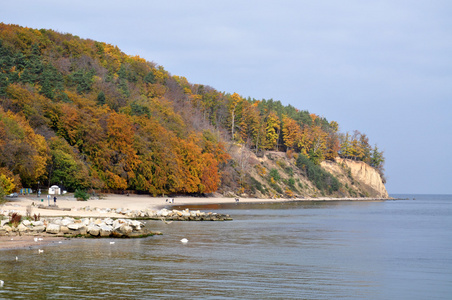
x: 316, y: 250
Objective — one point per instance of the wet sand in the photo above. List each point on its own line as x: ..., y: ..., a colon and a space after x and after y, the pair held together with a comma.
x: 15, y: 242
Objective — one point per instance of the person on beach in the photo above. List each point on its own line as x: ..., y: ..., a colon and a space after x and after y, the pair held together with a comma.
x: 54, y: 201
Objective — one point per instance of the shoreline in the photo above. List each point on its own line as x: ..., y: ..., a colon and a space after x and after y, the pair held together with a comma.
x: 67, y: 205
x: 106, y: 206
x: 20, y: 242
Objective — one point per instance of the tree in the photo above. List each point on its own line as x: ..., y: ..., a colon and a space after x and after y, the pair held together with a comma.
x: 101, y: 98
x: 123, y: 159
x: 7, y: 184
x: 346, y: 147
x: 291, y: 132
x: 22, y: 151
x: 233, y: 102
x: 272, y: 131
x: 66, y: 167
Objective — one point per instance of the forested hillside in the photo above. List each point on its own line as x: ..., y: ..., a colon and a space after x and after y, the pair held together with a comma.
x: 83, y: 114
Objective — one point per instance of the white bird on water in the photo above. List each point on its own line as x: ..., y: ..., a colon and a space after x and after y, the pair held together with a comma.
x: 2, y: 283
x: 111, y: 243
x: 40, y: 251
x: 17, y: 258
x: 184, y: 240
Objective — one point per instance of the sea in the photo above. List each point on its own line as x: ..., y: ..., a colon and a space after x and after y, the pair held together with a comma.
x: 398, y: 249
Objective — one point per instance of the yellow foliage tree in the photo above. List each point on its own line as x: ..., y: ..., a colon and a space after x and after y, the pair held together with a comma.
x: 272, y: 130
x: 291, y: 132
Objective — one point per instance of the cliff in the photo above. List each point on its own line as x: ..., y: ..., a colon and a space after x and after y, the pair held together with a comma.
x: 357, y: 176
x: 276, y: 174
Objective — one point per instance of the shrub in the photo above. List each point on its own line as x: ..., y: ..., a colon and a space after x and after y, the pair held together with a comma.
x: 261, y: 170
x: 288, y: 170
x: 254, y: 184
x: 81, y: 195
x: 291, y: 182
x: 300, y: 185
x: 281, y: 163
x: 289, y: 193
x: 323, y: 180
x: 274, y: 174
x: 15, y: 219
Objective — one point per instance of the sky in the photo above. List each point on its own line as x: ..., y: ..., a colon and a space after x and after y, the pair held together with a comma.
x: 381, y: 67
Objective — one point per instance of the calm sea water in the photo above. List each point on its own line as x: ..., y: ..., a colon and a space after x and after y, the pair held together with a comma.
x: 316, y: 250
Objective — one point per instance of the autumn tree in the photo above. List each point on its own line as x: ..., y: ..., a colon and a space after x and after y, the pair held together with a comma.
x: 234, y: 100
x: 272, y: 128
x: 291, y: 132
x: 7, y: 184
x: 22, y: 151
x: 65, y: 167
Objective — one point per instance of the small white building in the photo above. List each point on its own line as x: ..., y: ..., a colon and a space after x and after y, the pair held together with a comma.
x: 54, y: 190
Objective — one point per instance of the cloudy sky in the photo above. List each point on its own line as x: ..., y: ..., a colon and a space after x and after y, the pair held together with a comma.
x: 381, y: 67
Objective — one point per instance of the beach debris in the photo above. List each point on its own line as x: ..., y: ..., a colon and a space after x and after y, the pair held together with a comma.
x: 184, y: 240
x: 36, y: 239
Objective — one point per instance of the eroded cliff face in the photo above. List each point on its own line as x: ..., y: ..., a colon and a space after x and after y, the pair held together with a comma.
x: 357, y: 178
x: 366, y: 178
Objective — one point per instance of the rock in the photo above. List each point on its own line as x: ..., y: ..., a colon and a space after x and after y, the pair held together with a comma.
x: 22, y: 228
x: 75, y: 226
x: 37, y: 223
x: 105, y: 230
x: 38, y: 228
x: 64, y: 229
x: 108, y: 221
x: 66, y: 221
x: 53, y: 228
x: 162, y: 213
x: 126, y: 229
x: 136, y: 224
x: 26, y: 222
x: 56, y: 221
x: 3, y: 222
x: 93, y: 230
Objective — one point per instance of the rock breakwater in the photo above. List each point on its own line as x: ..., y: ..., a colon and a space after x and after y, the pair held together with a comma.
x: 71, y: 227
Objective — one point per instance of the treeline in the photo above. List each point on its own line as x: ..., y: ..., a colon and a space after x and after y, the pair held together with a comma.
x: 84, y: 114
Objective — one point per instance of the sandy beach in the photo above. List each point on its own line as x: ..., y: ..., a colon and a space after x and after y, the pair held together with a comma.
x: 132, y: 202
